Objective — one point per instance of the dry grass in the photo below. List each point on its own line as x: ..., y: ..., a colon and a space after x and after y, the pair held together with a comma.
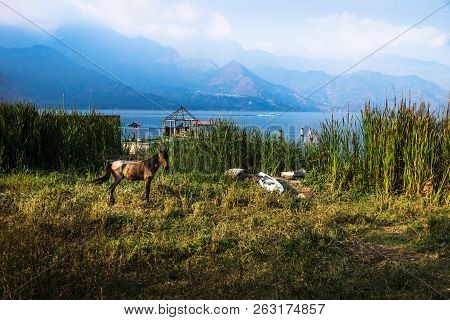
x: 203, y: 236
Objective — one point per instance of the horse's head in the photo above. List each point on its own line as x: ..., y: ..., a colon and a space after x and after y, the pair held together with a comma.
x: 163, y: 159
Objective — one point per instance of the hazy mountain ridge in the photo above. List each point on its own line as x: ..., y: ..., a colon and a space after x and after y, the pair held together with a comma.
x: 222, y: 51
x: 352, y: 90
x: 235, y: 79
x: 42, y: 73
x: 7, y: 90
x: 148, y: 66
x: 45, y: 75
x: 141, y: 62
x: 144, y: 65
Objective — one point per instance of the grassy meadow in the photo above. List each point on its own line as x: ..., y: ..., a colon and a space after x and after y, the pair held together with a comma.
x: 369, y: 221
x: 204, y: 236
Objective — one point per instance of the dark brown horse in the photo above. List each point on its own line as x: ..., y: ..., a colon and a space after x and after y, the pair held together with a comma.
x: 134, y: 170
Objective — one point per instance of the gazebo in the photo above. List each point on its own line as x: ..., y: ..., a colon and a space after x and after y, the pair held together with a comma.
x: 135, y: 126
x: 179, y: 122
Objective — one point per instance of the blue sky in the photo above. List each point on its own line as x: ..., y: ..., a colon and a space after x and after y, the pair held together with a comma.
x: 399, y: 11
x: 333, y: 29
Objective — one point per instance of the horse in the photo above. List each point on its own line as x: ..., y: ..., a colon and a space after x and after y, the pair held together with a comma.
x: 135, y: 171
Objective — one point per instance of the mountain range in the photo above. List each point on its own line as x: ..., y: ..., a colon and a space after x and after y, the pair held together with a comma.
x: 86, y: 65
x: 352, y: 90
x: 222, y: 51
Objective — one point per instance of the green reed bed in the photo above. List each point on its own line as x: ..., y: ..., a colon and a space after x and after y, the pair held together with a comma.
x: 226, y: 145
x: 403, y: 148
x: 54, y: 139
x: 399, y: 149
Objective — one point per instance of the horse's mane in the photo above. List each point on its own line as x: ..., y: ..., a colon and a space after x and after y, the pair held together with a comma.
x: 152, y: 160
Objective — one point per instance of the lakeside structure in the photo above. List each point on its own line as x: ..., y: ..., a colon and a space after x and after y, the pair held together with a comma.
x: 181, y: 122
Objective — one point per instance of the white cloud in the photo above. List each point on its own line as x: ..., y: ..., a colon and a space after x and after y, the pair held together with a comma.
x: 347, y: 35
x: 48, y: 14
x: 218, y: 26
x: 187, y: 12
x: 156, y: 19
x: 152, y: 18
x: 343, y: 35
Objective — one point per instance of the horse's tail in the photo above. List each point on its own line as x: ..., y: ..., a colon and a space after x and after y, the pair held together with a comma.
x: 105, y: 177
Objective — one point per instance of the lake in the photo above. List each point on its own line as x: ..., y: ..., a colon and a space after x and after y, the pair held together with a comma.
x: 290, y: 122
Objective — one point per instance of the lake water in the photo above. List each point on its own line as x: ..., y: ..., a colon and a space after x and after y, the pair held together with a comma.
x: 290, y: 122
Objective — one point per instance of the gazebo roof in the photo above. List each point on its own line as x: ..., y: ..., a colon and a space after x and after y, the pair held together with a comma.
x: 135, y: 124
x: 181, y: 114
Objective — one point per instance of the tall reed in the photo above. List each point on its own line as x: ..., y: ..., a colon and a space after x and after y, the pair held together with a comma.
x: 402, y: 148
x: 55, y: 139
x: 226, y: 145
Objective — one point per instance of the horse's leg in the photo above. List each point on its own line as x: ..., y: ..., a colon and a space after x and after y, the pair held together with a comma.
x: 148, y: 182
x: 117, y: 180
x: 111, y: 192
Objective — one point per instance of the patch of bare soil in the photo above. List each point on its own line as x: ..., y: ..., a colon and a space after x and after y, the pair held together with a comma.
x: 296, y: 187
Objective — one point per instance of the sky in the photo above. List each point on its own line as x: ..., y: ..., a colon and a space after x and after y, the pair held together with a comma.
x: 326, y: 29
